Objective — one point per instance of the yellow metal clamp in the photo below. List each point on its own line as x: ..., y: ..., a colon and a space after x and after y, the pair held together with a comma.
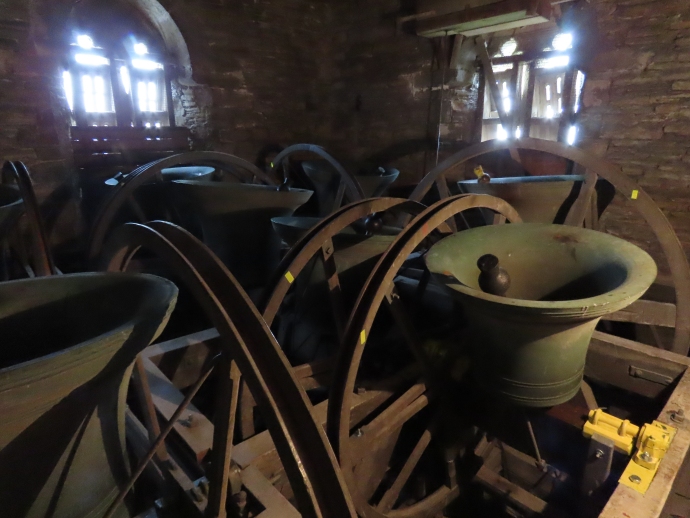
x: 621, y: 431
x: 652, y: 445
x: 651, y: 440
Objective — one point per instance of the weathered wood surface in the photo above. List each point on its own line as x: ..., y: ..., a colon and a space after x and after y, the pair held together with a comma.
x: 628, y: 503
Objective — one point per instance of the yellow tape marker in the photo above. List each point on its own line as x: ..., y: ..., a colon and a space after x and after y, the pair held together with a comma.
x: 634, y: 194
x: 363, y: 336
x: 289, y: 277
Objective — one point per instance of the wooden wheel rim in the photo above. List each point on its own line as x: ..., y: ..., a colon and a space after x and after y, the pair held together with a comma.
x: 359, y: 325
x: 645, y: 205
x: 146, y: 172
x: 246, y: 338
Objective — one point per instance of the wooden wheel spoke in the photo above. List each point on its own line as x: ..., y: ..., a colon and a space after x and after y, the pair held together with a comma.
x: 409, y: 404
x: 402, y: 319
x: 224, y: 428
x: 339, y: 195
x: 499, y: 219
x: 582, y: 208
x: 335, y: 293
x: 391, y: 496
x: 141, y: 385
x: 137, y: 210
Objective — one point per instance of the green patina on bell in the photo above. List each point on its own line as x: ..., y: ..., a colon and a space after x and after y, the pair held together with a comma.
x: 68, y: 343
x: 538, y: 199
x: 530, y: 345
x: 235, y: 220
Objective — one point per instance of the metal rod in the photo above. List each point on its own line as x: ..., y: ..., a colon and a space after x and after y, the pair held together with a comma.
x: 540, y: 461
x: 156, y: 445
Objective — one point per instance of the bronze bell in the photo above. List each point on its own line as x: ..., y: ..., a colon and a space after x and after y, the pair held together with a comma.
x: 529, y: 346
x: 68, y: 344
x: 235, y: 219
x: 538, y: 199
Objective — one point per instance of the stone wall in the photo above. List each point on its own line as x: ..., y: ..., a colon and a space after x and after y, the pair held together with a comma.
x: 637, y: 108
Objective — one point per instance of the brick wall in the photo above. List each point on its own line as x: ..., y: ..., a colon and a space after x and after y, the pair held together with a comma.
x: 338, y: 74
x: 385, y: 96
x: 637, y: 107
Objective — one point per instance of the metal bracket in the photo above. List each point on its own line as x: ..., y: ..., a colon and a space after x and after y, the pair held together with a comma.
x: 598, y: 466
x: 621, y: 431
x: 652, y: 445
x: 646, y: 374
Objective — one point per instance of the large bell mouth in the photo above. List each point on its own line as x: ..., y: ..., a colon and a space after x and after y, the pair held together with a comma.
x: 67, y: 344
x: 530, y: 345
x: 538, y: 199
x: 292, y: 228
x: 224, y: 197
x: 555, y: 270
x: 516, y: 180
x: 187, y: 172
x: 375, y: 184
x: 70, y: 315
x: 325, y: 178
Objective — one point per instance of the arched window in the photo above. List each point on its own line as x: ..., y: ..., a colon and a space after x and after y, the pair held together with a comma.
x: 117, y: 73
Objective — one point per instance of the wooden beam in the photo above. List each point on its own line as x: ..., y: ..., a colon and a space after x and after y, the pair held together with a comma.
x: 137, y: 437
x: 615, y: 361
x: 576, y: 215
x: 483, y: 19
x: 491, y: 80
x: 513, y: 493
x: 626, y: 501
x: 195, y: 430
x: 647, y: 312
x: 273, y: 501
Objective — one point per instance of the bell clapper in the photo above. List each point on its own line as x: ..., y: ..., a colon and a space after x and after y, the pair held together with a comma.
x: 493, y: 279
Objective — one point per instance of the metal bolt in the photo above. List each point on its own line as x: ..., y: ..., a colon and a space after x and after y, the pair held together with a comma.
x: 678, y: 416
x: 599, y: 454
x: 635, y: 479
x: 361, y: 390
x: 160, y: 503
x: 359, y: 432
x: 240, y: 500
x: 197, y: 495
x: 203, y: 484
x: 637, y: 373
x: 645, y: 456
x: 188, y: 422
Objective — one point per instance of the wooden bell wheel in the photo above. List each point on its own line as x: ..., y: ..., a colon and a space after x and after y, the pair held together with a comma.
x: 248, y: 352
x: 406, y: 411
x: 317, y: 243
x: 123, y: 195
x: 41, y: 255
x: 644, y: 311
x: 348, y: 187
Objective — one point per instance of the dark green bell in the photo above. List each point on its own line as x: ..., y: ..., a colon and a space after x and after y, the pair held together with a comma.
x: 68, y: 343
x: 538, y: 199
x: 235, y: 219
x: 530, y: 345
